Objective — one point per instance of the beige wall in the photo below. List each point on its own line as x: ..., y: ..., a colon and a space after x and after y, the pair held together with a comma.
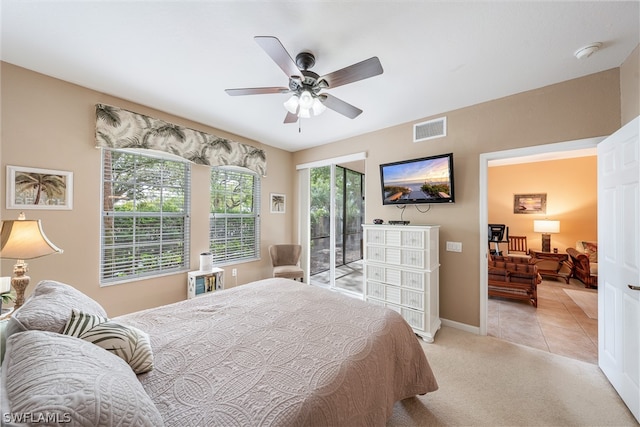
x: 630, y: 87
x: 576, y: 109
x: 571, y: 189
x: 48, y: 123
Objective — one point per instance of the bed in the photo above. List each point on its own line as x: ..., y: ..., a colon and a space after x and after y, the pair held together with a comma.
x: 270, y: 353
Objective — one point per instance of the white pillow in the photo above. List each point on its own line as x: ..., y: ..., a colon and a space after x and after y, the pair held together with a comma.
x: 72, y: 382
x: 130, y: 344
x: 49, y: 308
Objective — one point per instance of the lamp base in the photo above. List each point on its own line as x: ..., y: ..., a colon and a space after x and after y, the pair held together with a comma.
x: 546, y: 242
x: 20, y: 282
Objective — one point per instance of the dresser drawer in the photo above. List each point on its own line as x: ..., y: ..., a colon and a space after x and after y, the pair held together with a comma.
x: 381, y: 273
x: 412, y: 299
x: 384, y: 292
x: 397, y: 256
x: 413, y: 280
x: 408, y: 238
x: 417, y: 280
x: 376, y: 236
x: 414, y: 318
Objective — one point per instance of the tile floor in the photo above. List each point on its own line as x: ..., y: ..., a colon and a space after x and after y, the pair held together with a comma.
x: 558, y: 325
x: 348, y: 277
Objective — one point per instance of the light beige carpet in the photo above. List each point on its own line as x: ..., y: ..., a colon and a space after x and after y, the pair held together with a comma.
x: 587, y: 301
x: 488, y: 382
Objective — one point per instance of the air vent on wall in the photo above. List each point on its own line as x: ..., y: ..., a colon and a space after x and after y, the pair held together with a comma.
x: 436, y: 128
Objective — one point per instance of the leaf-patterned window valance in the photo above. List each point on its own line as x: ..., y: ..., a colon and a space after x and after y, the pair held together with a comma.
x: 118, y: 128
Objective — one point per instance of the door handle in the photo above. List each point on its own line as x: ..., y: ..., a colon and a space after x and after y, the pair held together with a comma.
x: 634, y: 288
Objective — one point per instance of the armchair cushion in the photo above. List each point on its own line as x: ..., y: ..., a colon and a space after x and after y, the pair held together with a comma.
x: 511, y: 258
x: 284, y: 259
x: 583, y: 269
x: 588, y: 248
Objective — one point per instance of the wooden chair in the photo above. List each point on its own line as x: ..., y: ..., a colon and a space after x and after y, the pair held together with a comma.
x: 583, y: 269
x: 518, y: 246
x: 284, y: 259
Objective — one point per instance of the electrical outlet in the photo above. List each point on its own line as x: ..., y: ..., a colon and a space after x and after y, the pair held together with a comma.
x: 454, y: 246
x: 234, y: 272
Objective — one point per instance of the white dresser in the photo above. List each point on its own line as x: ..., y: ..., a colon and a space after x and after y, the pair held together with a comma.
x: 401, y: 265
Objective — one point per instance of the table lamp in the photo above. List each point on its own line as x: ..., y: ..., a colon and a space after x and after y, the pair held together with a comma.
x: 546, y: 227
x: 23, y: 239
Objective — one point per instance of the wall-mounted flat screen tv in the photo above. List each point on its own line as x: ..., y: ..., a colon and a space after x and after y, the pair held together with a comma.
x: 423, y: 180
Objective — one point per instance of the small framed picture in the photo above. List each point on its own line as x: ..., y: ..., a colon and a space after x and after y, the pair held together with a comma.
x: 277, y: 202
x: 530, y: 203
x: 30, y: 188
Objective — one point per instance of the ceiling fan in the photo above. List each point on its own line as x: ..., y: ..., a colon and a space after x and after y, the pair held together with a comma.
x: 306, y: 86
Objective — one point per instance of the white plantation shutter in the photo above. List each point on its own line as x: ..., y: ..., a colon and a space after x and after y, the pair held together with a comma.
x: 234, y: 220
x: 145, y: 216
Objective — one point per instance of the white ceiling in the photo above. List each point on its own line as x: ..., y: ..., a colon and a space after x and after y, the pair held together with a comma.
x: 179, y: 56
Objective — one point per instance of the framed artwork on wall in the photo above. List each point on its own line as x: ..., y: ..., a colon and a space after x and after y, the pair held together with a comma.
x: 530, y: 203
x: 278, y: 203
x: 31, y: 188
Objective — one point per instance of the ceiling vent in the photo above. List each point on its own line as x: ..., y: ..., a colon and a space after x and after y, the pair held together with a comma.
x: 436, y: 128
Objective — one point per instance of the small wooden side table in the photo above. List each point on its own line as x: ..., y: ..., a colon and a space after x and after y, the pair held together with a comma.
x: 551, y: 264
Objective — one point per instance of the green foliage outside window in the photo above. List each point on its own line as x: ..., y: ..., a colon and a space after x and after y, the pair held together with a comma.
x: 234, y: 215
x: 145, y: 216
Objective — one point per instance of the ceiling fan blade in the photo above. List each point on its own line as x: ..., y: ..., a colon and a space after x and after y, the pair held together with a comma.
x: 338, y: 105
x: 256, y: 90
x: 279, y: 54
x: 290, y: 118
x: 362, y: 70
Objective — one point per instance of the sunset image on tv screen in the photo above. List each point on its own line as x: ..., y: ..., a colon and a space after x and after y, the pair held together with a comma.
x: 419, y: 181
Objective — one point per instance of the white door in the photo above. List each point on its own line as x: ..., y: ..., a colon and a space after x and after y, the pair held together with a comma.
x: 619, y: 262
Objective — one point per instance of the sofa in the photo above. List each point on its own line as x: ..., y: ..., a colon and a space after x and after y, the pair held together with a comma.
x: 584, y: 262
x: 508, y: 278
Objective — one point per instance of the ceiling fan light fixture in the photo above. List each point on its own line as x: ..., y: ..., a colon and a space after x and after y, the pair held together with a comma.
x: 304, y: 113
x: 306, y: 100
x: 292, y: 104
x: 305, y: 85
x: 318, y: 107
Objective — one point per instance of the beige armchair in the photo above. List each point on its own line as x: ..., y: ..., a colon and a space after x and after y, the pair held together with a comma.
x: 284, y: 259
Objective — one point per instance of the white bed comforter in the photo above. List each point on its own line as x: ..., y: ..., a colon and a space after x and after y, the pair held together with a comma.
x: 280, y: 353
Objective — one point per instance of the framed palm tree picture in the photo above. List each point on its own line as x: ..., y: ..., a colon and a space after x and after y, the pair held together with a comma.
x: 30, y: 188
x: 278, y: 203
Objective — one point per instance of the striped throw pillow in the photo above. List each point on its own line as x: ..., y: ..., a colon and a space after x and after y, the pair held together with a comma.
x: 129, y: 343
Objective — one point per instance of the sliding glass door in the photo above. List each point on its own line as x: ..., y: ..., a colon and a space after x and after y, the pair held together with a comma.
x: 320, y: 236
x: 336, y: 214
x: 352, y: 215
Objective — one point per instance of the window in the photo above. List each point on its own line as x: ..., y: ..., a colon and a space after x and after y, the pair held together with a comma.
x: 234, y: 220
x: 145, y: 216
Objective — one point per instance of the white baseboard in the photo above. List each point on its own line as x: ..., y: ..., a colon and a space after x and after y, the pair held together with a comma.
x: 461, y: 326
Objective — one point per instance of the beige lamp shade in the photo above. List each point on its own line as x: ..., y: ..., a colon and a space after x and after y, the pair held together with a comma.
x: 24, y: 239
x: 546, y: 226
